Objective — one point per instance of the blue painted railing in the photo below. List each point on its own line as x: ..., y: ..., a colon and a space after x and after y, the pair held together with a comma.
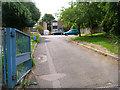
x: 16, y: 56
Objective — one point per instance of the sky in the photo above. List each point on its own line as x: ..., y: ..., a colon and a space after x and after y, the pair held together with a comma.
x: 51, y: 6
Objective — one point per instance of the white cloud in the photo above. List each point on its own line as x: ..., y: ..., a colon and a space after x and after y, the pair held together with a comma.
x: 51, y: 6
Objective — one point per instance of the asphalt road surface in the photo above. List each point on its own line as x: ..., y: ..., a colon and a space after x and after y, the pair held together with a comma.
x: 62, y: 64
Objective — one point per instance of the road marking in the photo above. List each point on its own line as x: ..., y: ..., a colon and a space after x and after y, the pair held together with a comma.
x: 53, y: 76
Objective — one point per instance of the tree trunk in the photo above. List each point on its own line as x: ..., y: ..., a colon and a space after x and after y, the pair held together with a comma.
x: 91, y: 32
x: 91, y: 27
x: 79, y: 30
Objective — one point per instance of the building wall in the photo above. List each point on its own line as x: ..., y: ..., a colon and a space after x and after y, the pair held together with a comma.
x: 55, y: 26
x: 51, y: 26
x: 59, y: 25
x: 95, y: 30
x: 44, y: 25
x: 85, y: 30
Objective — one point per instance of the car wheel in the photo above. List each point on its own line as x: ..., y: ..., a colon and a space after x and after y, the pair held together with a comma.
x: 66, y: 34
x: 76, y: 34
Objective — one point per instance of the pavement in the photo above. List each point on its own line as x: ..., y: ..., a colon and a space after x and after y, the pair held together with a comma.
x: 62, y: 64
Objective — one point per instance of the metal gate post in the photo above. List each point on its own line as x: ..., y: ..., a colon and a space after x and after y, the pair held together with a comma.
x: 14, y: 72
x: 1, y: 58
x: 11, y: 57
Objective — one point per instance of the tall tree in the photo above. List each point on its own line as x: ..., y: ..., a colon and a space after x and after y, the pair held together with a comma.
x: 111, y: 19
x: 35, y: 13
x: 68, y: 15
x: 83, y: 14
x: 48, y: 18
x: 19, y: 14
x: 94, y: 15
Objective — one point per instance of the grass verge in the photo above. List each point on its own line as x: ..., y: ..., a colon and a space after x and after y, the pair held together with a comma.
x: 32, y: 45
x: 100, y: 39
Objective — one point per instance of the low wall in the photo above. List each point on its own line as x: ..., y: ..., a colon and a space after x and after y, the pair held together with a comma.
x: 95, y: 30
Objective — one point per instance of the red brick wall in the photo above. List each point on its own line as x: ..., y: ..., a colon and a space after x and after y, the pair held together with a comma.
x: 44, y: 25
x: 51, y: 26
x: 60, y: 24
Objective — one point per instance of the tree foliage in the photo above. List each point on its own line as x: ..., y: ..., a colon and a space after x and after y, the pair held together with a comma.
x: 92, y: 15
x: 19, y: 14
x: 48, y: 18
x: 39, y: 28
x: 83, y: 14
x: 110, y: 22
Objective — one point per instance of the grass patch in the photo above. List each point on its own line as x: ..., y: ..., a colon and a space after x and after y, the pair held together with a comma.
x: 97, y: 34
x: 84, y: 44
x: 32, y: 45
x: 32, y: 62
x: 100, y: 39
x: 93, y: 46
x: 105, y: 54
x: 32, y: 48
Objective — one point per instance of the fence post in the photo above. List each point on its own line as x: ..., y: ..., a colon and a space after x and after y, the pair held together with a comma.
x: 1, y: 59
x: 14, y: 72
x: 11, y: 57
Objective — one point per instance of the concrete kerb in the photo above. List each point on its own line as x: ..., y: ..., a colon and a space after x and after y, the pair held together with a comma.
x: 96, y: 50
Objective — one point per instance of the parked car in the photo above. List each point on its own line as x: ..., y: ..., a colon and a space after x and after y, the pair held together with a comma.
x: 58, y: 33
x: 71, y: 32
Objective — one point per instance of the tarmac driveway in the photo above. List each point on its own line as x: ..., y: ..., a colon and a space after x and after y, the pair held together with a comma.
x: 61, y: 64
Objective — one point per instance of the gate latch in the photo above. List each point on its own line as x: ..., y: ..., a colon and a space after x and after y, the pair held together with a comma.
x: 14, y: 77
x: 12, y: 34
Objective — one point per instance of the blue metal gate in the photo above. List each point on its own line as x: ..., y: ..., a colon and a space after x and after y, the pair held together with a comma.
x: 16, y: 56
x: 0, y: 57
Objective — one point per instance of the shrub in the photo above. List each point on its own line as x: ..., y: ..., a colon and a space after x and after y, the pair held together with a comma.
x: 37, y: 37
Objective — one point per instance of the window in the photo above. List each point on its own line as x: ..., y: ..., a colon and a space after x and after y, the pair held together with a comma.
x: 54, y: 23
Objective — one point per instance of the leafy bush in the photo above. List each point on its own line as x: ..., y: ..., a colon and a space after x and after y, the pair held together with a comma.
x: 37, y: 37
x: 39, y: 27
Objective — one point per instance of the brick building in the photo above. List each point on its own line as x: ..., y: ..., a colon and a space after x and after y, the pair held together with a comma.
x: 44, y: 25
x: 56, y: 26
